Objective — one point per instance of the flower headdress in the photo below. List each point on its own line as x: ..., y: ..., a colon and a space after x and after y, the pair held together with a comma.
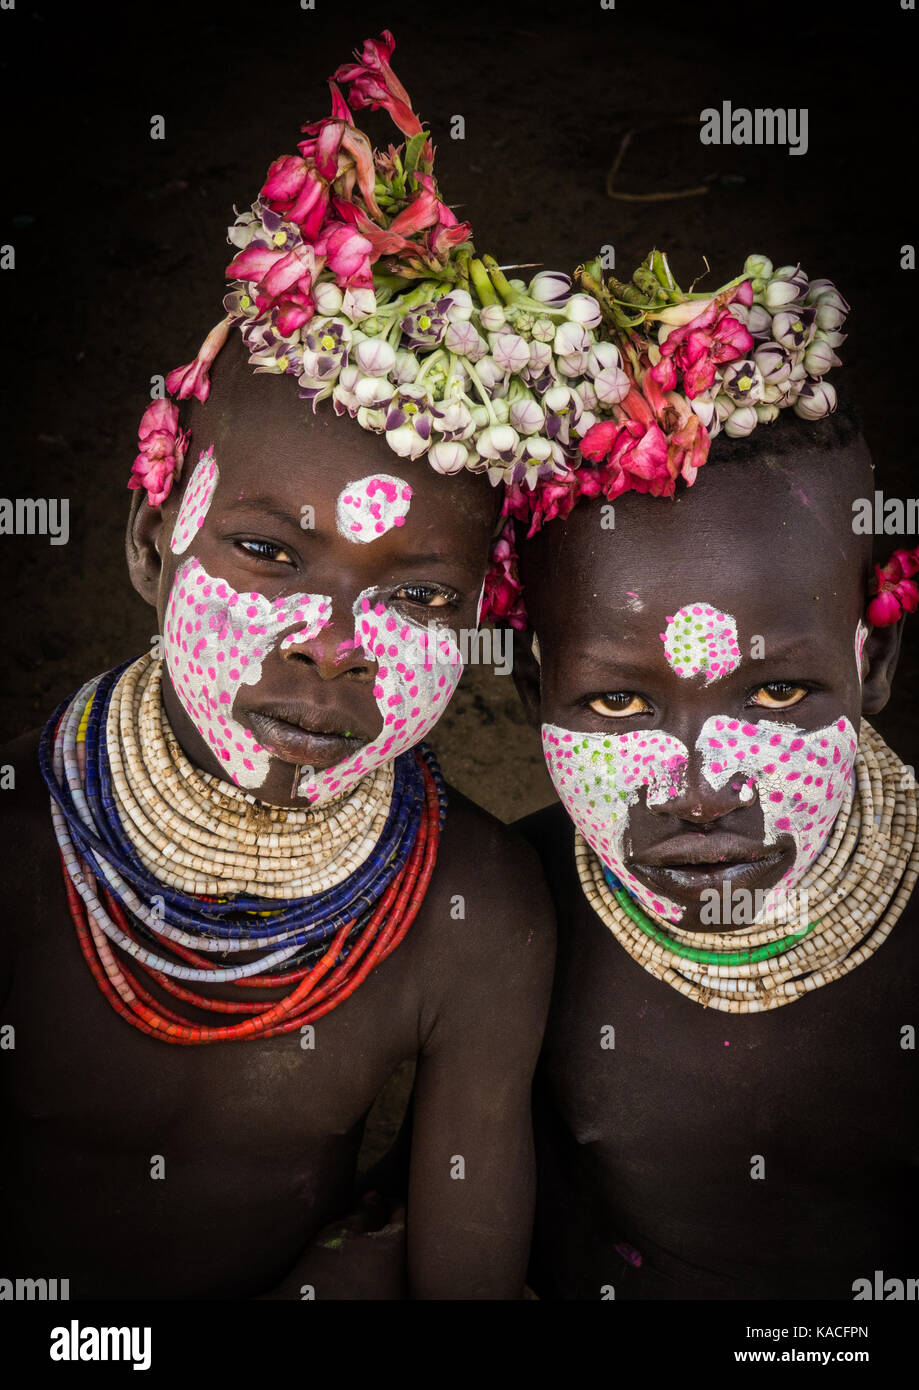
x: 354, y: 277
x: 668, y: 370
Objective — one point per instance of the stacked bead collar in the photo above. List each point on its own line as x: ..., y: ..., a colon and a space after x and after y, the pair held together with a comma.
x: 857, y: 889
x: 200, y: 834
x: 324, y: 942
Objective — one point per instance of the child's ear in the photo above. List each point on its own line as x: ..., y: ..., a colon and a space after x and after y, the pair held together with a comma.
x: 526, y: 676
x: 882, y: 650
x: 145, y: 530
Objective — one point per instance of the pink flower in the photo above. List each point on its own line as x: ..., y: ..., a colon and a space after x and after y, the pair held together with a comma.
x: 293, y: 190
x: 283, y: 280
x: 895, y: 591
x: 633, y: 451
x: 373, y: 83
x: 338, y: 152
x: 502, y: 600
x: 193, y: 379
x: 698, y: 347
x: 349, y: 256
x: 162, y: 448
x: 688, y: 441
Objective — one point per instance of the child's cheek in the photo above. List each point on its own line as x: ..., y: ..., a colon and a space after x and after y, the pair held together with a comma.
x: 418, y: 670
x: 801, y: 778
x: 196, y: 500
x: 599, y: 778
x: 216, y: 641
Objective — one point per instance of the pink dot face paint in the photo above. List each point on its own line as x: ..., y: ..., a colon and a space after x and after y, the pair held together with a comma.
x: 370, y: 507
x: 701, y: 640
x: 801, y: 778
x: 216, y: 641
x: 418, y: 670
x: 599, y: 778
x: 196, y: 500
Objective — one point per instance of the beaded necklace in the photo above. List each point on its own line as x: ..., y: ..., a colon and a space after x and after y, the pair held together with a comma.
x: 125, y: 801
x: 857, y: 889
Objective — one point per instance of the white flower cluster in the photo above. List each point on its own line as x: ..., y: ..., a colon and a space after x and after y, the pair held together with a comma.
x: 509, y: 388
x: 795, y: 324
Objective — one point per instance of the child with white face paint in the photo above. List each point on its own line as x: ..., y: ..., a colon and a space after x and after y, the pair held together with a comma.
x: 265, y: 800
x: 733, y: 863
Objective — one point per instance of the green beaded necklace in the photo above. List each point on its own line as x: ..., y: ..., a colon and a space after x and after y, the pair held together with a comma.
x: 701, y: 957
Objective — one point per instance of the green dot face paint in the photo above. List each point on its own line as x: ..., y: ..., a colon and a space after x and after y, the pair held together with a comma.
x: 599, y: 778
x: 701, y: 640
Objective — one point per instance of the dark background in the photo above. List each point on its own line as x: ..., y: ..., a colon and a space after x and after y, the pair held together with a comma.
x: 120, y: 240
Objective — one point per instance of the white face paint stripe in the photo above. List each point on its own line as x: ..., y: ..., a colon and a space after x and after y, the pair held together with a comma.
x: 196, y: 500
x: 215, y: 642
x: 371, y: 506
x: 861, y: 636
x: 701, y: 640
x: 478, y: 607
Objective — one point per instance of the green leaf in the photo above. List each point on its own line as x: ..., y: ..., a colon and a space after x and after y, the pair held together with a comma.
x: 413, y: 150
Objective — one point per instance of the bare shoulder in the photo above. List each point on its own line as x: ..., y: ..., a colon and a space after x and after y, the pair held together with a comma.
x: 488, y: 908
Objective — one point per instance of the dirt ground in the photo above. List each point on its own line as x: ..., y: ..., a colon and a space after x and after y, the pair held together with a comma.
x: 120, y: 240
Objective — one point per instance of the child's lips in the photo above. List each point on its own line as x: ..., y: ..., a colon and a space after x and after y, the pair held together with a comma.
x: 302, y: 742
x: 692, y: 863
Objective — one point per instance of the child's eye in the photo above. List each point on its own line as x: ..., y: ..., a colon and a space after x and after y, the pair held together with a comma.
x: 426, y: 595
x: 267, y: 550
x: 778, y: 695
x: 619, y: 704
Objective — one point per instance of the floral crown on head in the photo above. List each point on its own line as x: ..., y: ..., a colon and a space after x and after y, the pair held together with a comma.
x: 664, y: 373
x: 354, y: 277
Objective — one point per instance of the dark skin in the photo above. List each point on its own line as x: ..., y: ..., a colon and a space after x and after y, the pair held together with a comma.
x: 261, y: 1139
x: 649, y: 1146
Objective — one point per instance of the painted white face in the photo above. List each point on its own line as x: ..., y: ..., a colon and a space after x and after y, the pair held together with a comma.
x: 216, y: 640
x: 372, y: 506
x: 800, y: 778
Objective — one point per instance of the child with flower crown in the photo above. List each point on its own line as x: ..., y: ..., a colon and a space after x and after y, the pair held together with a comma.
x: 726, y: 1095
x: 254, y: 896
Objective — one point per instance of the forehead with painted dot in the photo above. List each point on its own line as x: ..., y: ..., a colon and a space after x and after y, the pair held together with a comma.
x: 257, y: 450
x: 754, y: 573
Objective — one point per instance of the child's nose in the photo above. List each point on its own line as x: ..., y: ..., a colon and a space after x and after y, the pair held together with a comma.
x: 696, y: 800
x: 333, y: 651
